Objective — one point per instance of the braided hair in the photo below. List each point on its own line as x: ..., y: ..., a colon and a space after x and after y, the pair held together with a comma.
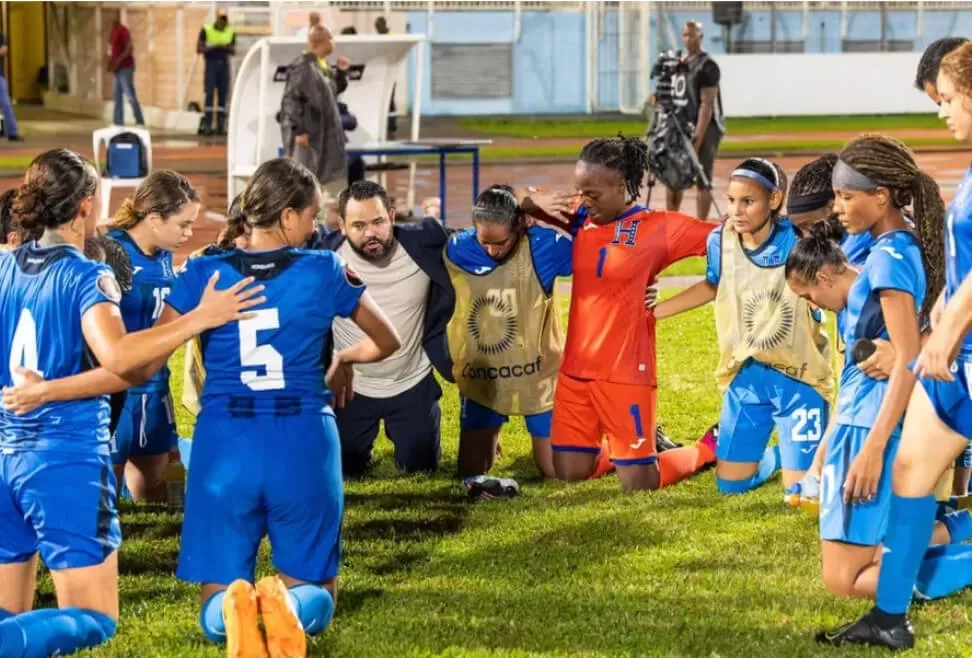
x: 626, y: 155
x: 812, y: 183
x: 891, y: 165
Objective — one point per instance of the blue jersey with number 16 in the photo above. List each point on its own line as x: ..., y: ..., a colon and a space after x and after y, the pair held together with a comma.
x: 44, y: 293
x: 152, y: 278
x: 270, y: 363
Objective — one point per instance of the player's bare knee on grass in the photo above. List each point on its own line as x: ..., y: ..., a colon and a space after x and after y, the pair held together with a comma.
x: 89, y: 588
x: 477, y: 451
x: 145, y: 476
x: 572, y: 466
x: 845, y: 569
x: 19, y: 581
x: 543, y: 456
x: 643, y: 477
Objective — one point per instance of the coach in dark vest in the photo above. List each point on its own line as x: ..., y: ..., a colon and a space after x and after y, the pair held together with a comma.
x: 699, y: 102
x: 403, y: 268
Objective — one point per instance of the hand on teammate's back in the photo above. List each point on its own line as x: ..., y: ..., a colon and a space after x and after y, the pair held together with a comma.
x: 880, y: 364
x: 217, y: 307
x: 339, y: 379
x: 651, y: 295
x: 28, y: 394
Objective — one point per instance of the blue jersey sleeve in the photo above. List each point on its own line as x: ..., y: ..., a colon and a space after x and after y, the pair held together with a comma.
x: 552, y: 255
x: 713, y: 257
x: 97, y: 285
x: 344, y: 286
x: 186, y: 289
x: 888, y: 268
x: 465, y: 251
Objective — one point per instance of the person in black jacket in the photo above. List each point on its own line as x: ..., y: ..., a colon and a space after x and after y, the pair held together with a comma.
x: 403, y: 269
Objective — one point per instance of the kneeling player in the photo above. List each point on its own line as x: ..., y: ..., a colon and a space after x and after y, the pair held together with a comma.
x: 607, y: 384
x: 773, y: 369
x: 266, y: 456
x: 882, y: 301
x: 505, y: 336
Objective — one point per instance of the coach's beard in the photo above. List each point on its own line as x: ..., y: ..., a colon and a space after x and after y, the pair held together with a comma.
x: 373, y: 250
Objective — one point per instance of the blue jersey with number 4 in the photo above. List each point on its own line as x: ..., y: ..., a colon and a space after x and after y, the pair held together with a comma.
x: 44, y: 293
x: 152, y: 278
x: 894, y: 263
x: 272, y: 360
x: 958, y: 247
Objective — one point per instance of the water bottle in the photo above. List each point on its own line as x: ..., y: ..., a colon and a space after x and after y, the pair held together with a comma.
x: 794, y: 498
x: 175, y: 483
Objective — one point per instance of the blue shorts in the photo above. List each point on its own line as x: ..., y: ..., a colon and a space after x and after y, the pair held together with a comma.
x: 262, y: 475
x: 59, y: 504
x: 761, y: 398
x: 953, y: 400
x: 474, y: 416
x: 863, y: 524
x: 146, y: 427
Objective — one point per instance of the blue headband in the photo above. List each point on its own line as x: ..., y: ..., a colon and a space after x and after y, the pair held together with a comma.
x: 758, y: 177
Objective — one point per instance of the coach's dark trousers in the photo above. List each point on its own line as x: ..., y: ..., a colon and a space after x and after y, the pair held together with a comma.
x: 411, y: 420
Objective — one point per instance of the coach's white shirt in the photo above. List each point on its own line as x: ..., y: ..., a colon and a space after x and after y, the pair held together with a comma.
x: 401, y: 289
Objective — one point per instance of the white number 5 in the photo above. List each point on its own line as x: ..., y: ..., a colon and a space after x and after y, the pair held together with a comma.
x: 807, y: 425
x: 266, y: 362
x: 23, y: 351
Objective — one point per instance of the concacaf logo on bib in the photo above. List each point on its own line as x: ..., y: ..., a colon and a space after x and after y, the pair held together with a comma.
x: 768, y: 318
x: 496, y: 334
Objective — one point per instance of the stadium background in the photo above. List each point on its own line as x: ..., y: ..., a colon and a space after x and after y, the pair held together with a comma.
x: 563, y: 571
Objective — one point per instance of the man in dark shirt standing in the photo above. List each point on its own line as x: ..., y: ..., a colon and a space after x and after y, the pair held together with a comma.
x: 698, y: 101
x: 217, y: 43
x: 9, y: 120
x: 121, y: 63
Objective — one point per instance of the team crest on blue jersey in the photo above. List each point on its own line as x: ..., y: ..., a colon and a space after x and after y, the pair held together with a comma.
x: 108, y: 286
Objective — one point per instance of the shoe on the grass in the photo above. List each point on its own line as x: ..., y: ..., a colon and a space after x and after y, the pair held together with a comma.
x: 866, y: 631
x: 240, y: 615
x: 285, y: 633
x: 490, y: 488
x: 662, y: 442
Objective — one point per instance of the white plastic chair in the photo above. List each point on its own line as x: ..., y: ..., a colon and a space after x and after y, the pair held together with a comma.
x: 102, y: 137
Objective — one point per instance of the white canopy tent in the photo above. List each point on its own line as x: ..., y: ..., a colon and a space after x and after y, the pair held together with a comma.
x: 254, y: 134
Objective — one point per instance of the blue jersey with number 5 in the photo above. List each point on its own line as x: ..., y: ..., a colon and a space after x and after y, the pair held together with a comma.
x: 894, y: 263
x: 958, y: 247
x: 44, y: 293
x: 272, y: 360
x: 152, y: 278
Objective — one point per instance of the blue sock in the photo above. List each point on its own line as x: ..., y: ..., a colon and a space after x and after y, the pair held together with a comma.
x: 910, y: 525
x: 53, y: 631
x: 185, y: 451
x: 768, y: 465
x: 315, y: 607
x: 959, y: 526
x: 945, y: 570
x: 5, y: 613
x: 211, y: 618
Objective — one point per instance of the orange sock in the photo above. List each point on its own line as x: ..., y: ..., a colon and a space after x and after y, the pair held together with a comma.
x: 603, y: 465
x: 676, y: 465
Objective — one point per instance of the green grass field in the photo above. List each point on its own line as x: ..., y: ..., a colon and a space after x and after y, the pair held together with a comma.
x: 564, y: 570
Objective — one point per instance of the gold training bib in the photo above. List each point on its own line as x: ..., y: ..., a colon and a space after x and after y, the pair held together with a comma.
x: 505, y: 336
x: 759, y: 317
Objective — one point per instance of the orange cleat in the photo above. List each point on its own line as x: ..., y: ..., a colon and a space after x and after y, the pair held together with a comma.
x: 240, y: 614
x: 285, y: 633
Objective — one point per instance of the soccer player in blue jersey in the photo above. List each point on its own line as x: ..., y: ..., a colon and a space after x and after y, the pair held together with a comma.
x: 939, y: 416
x: 499, y: 253
x: 881, y: 300
x: 150, y: 227
x: 266, y: 456
x: 773, y: 367
x: 58, y: 313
